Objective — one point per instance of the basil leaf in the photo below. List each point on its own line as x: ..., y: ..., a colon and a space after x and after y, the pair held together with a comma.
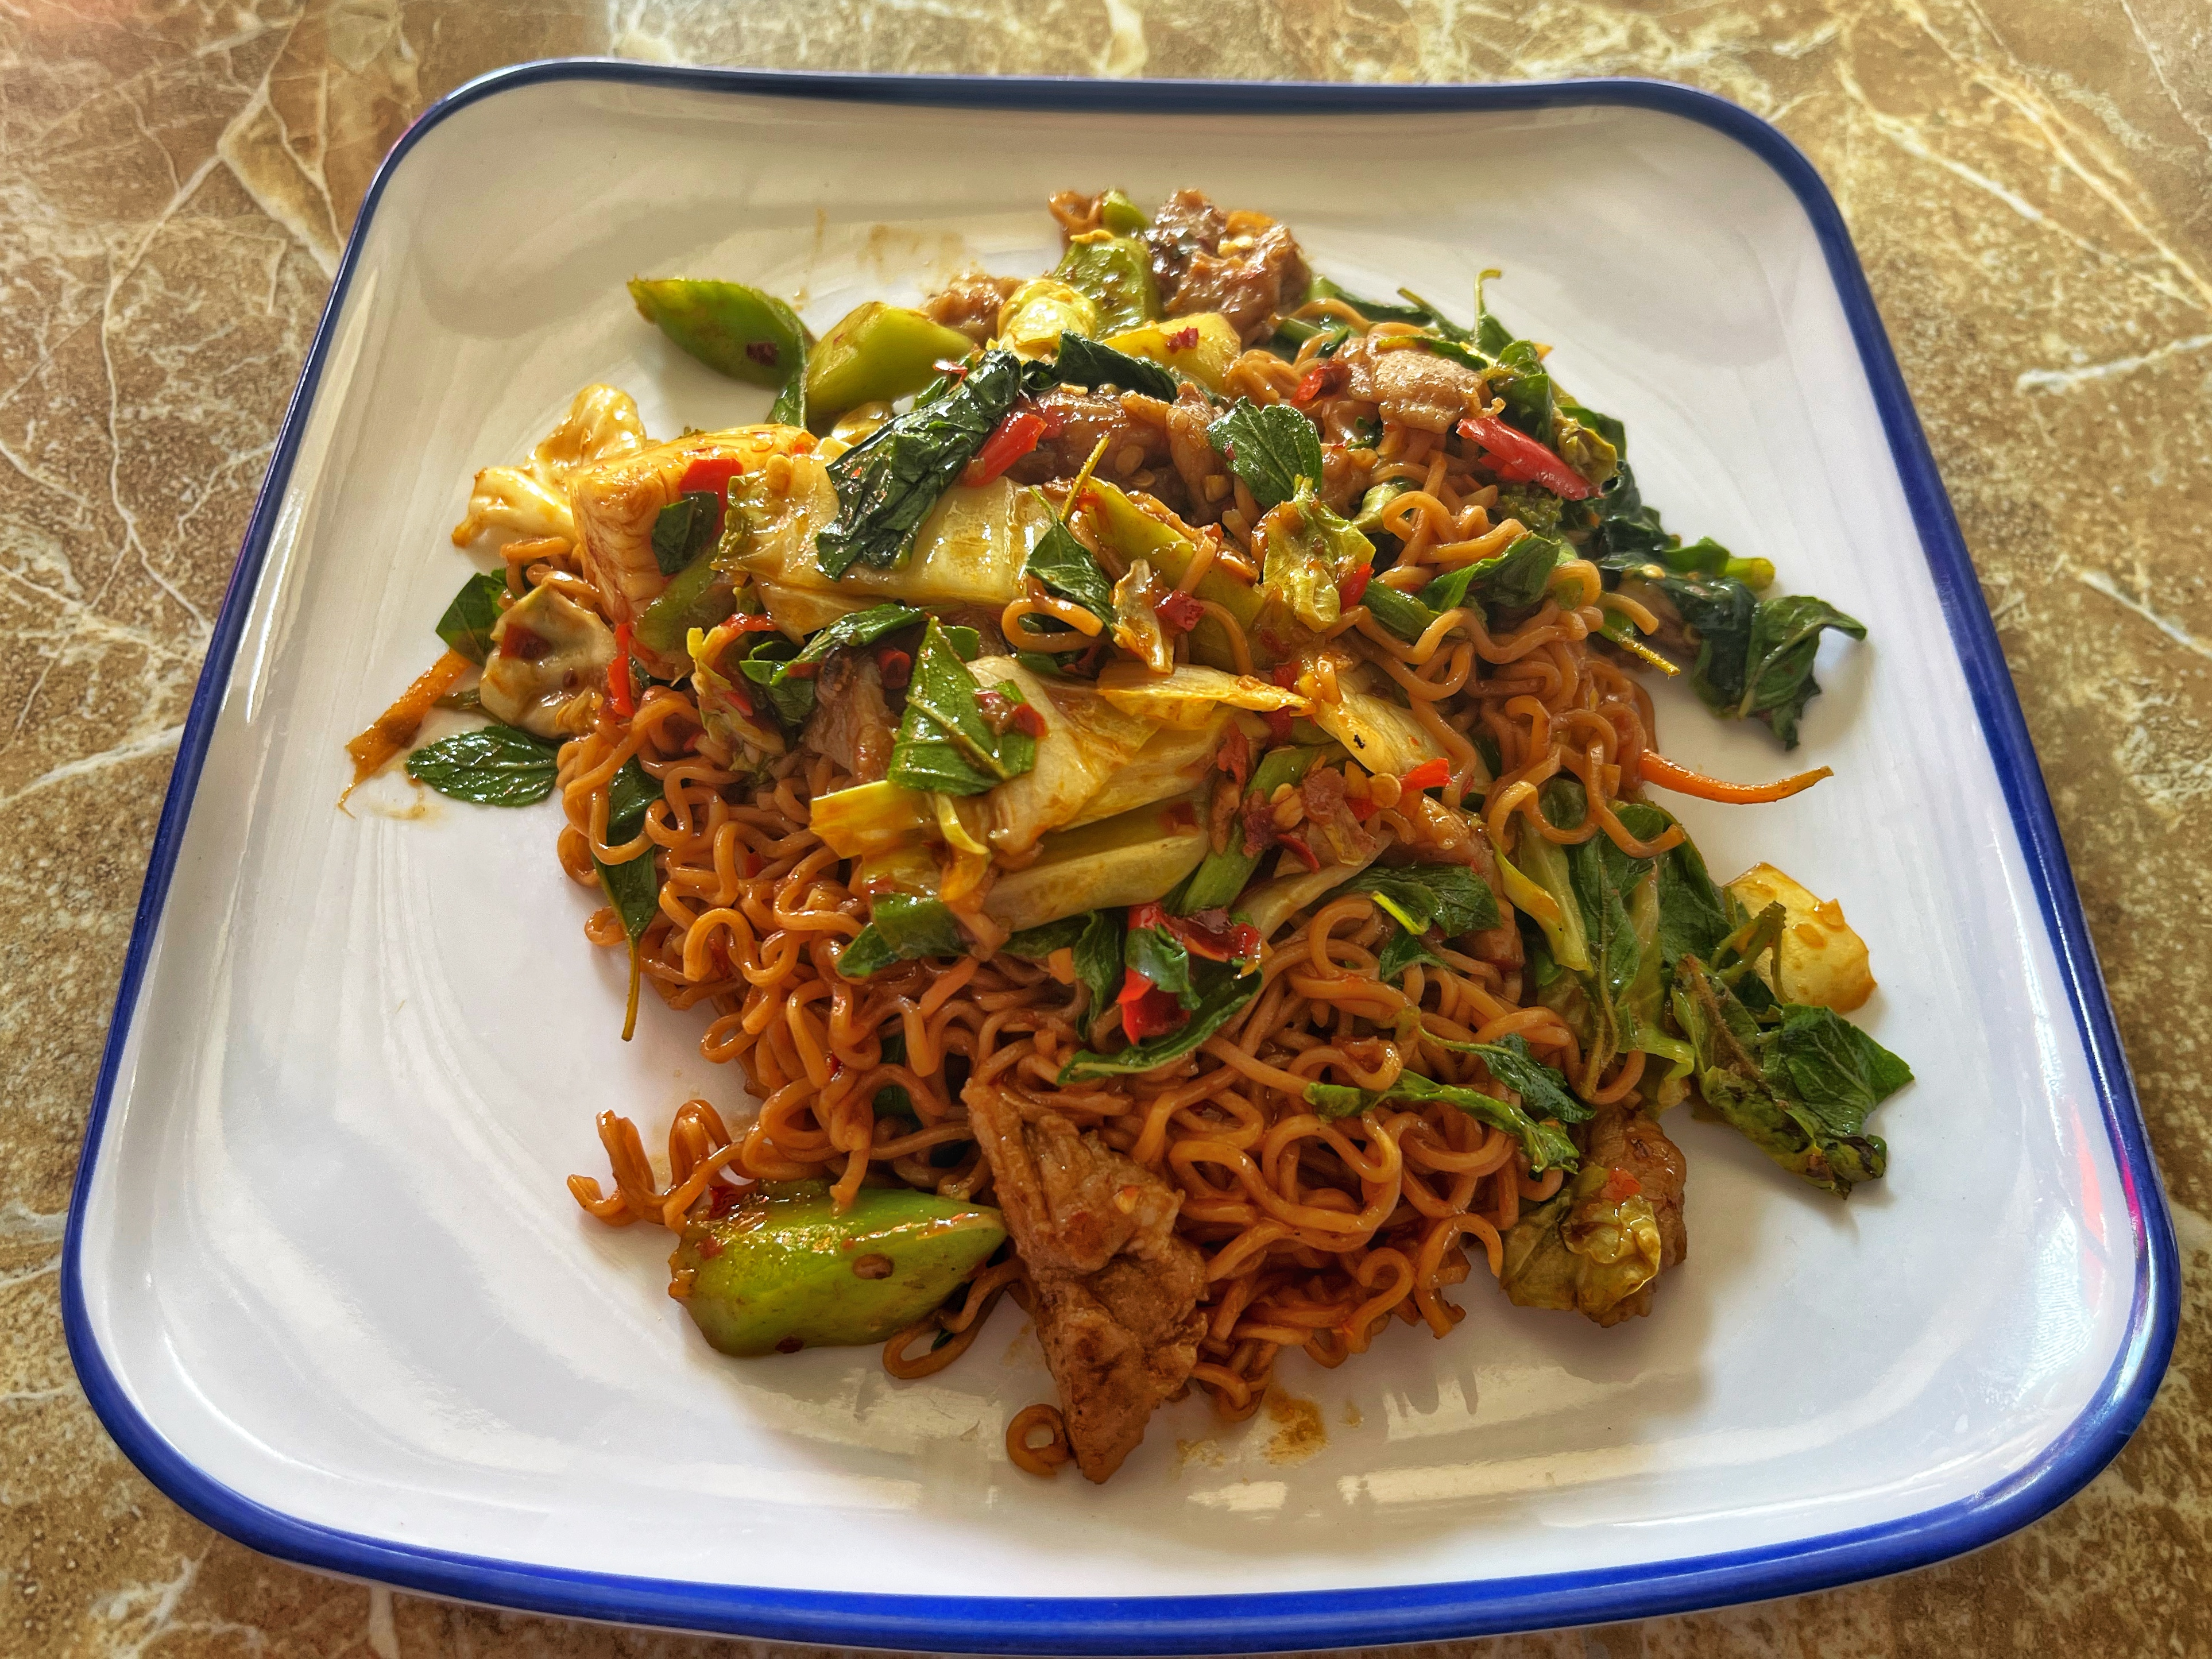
x: 1509, y: 580
x: 1161, y: 957
x: 467, y: 624
x: 1036, y: 943
x: 902, y: 927
x: 682, y: 530
x: 1601, y: 880
x: 1450, y: 897
x: 1543, y: 1089
x: 1222, y: 991
x: 887, y: 483
x: 1098, y: 958
x: 1375, y: 311
x: 1831, y: 1067
x: 1402, y: 951
x: 1785, y: 636
x: 1088, y: 363
x: 1694, y: 915
x: 767, y: 663
x: 492, y: 766
x: 1401, y: 613
x: 859, y: 627
x: 1066, y: 568
x: 633, y: 887
x: 1270, y: 449
x: 943, y: 743
x: 1546, y: 1143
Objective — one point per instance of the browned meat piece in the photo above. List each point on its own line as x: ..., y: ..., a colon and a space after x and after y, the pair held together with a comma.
x: 1247, y: 281
x: 1195, y: 458
x: 970, y: 302
x: 1116, y: 1291
x: 1419, y: 389
x: 1629, y: 1140
x: 1186, y: 224
x: 1085, y: 417
x: 852, y: 724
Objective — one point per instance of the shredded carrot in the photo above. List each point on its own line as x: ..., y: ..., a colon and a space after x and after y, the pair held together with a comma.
x: 1657, y: 769
x: 395, y: 728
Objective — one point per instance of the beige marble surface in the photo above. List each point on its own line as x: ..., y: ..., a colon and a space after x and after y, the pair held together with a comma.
x: 2029, y: 185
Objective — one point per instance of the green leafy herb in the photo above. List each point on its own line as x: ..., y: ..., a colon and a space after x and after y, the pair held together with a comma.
x: 789, y: 409
x: 887, y: 483
x: 1546, y: 1143
x: 1800, y: 1082
x: 1603, y: 879
x: 1509, y: 580
x: 1222, y: 991
x: 1093, y: 937
x: 1400, y: 612
x: 1402, y: 951
x: 902, y: 927
x: 467, y: 624
x: 1755, y: 656
x: 1270, y: 449
x: 856, y: 627
x: 1381, y: 311
x: 1450, y: 897
x: 492, y: 766
x: 1066, y: 568
x: 767, y: 664
x: 738, y: 330
x: 943, y: 743
x: 633, y: 887
x: 684, y: 529
x: 1086, y: 362
x: 1161, y: 957
x: 1036, y: 943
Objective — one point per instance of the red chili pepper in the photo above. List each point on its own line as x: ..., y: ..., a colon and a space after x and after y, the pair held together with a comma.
x: 896, y: 667
x: 1213, y: 935
x: 515, y: 641
x: 1620, y: 1184
x: 712, y: 473
x: 1234, y: 756
x: 1026, y: 720
x: 1146, y: 1010
x: 1280, y: 721
x: 750, y: 624
x: 1011, y: 439
x: 1148, y: 915
x: 1183, y: 338
x: 1516, y: 458
x: 741, y: 699
x: 749, y: 865
x: 618, y: 681
x: 1321, y: 379
x: 1284, y: 674
x: 1362, y: 807
x: 1349, y: 590
x: 1180, y: 612
x: 1429, y: 775
x: 1297, y: 844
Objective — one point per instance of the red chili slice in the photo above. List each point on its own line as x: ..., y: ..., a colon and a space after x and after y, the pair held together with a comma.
x: 1146, y: 1010
x: 1280, y: 721
x: 896, y: 667
x: 1183, y: 338
x: 1011, y: 439
x: 712, y: 473
x: 1321, y: 380
x: 1516, y: 458
x: 1349, y: 590
x: 1180, y: 612
x: 1027, y: 721
x: 1620, y: 1184
x: 1297, y: 844
x: 1429, y: 775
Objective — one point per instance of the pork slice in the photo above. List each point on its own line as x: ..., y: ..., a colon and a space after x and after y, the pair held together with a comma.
x: 1116, y: 1289
x: 969, y: 303
x: 1419, y: 389
x: 1187, y: 224
x: 852, y: 723
x: 1247, y: 283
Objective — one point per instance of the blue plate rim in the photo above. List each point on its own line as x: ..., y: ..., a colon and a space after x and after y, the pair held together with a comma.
x: 1230, y: 1623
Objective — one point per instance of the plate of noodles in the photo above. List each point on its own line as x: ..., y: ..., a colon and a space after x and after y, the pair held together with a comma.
x: 966, y: 867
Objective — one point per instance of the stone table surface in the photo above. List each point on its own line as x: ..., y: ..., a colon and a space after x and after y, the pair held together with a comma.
x: 2030, y: 185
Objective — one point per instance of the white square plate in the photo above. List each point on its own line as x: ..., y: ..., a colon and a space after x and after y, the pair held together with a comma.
x: 322, y: 1281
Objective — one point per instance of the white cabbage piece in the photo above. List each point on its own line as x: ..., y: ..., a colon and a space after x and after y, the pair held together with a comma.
x: 1086, y: 740
x: 1380, y: 736
x: 969, y: 550
x: 532, y: 500
x: 563, y: 662
x: 1128, y: 859
x: 1824, y: 963
x: 617, y: 501
x: 1272, y: 903
x: 1190, y: 695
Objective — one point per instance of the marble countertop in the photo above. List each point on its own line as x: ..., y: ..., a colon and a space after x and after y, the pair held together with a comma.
x: 2030, y: 185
